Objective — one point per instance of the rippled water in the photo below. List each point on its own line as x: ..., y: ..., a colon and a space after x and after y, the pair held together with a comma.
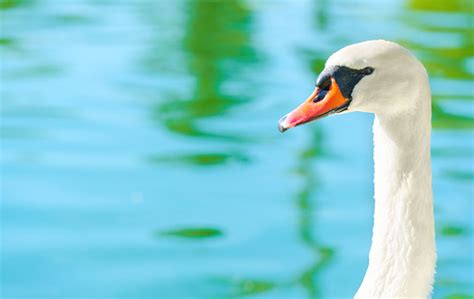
x: 140, y: 156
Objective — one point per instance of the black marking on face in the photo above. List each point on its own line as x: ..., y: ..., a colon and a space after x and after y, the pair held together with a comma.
x: 346, y: 78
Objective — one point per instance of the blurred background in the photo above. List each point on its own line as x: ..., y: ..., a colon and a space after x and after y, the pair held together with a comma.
x: 140, y: 155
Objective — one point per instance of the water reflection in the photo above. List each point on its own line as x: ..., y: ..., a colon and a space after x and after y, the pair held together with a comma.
x: 9, y: 4
x: 449, y: 60
x: 191, y: 233
x: 218, y: 48
x: 75, y: 131
x: 306, y: 197
x: 305, y: 202
x: 201, y: 159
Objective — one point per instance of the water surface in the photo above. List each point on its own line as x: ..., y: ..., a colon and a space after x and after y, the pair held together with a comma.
x: 140, y: 156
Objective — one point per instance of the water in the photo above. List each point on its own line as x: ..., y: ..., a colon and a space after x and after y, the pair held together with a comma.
x: 140, y: 156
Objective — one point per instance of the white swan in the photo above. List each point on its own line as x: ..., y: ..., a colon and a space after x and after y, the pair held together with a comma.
x: 383, y: 78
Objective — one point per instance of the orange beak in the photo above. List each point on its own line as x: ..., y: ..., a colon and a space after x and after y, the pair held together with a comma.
x: 319, y: 104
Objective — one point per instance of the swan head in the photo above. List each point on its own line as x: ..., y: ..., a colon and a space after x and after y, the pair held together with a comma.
x: 373, y: 76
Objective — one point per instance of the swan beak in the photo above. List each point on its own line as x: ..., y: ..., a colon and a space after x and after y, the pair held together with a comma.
x: 319, y: 104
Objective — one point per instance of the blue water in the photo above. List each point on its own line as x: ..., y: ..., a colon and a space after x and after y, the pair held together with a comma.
x: 140, y: 156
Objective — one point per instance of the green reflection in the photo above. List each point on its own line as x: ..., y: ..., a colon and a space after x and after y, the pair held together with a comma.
x: 451, y: 62
x: 320, y: 21
x: 445, y: 120
x: 305, y: 199
x: 459, y: 175
x: 8, y: 4
x: 239, y: 287
x: 441, y: 5
x: 217, y: 45
x: 459, y: 296
x: 72, y: 19
x: 442, y: 61
x: 201, y: 159
x: 6, y: 41
x: 452, y: 230
x: 306, y: 207
x: 446, y: 60
x: 192, y: 233
x: 252, y: 287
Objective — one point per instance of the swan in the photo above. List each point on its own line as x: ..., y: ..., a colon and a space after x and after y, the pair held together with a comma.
x: 383, y: 78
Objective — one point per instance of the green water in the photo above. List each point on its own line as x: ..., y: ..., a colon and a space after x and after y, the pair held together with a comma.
x: 140, y: 156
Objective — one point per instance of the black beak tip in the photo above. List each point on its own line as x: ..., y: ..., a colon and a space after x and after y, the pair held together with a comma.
x: 281, y: 127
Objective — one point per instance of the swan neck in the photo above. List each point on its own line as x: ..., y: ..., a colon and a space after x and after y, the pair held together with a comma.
x: 402, y: 255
